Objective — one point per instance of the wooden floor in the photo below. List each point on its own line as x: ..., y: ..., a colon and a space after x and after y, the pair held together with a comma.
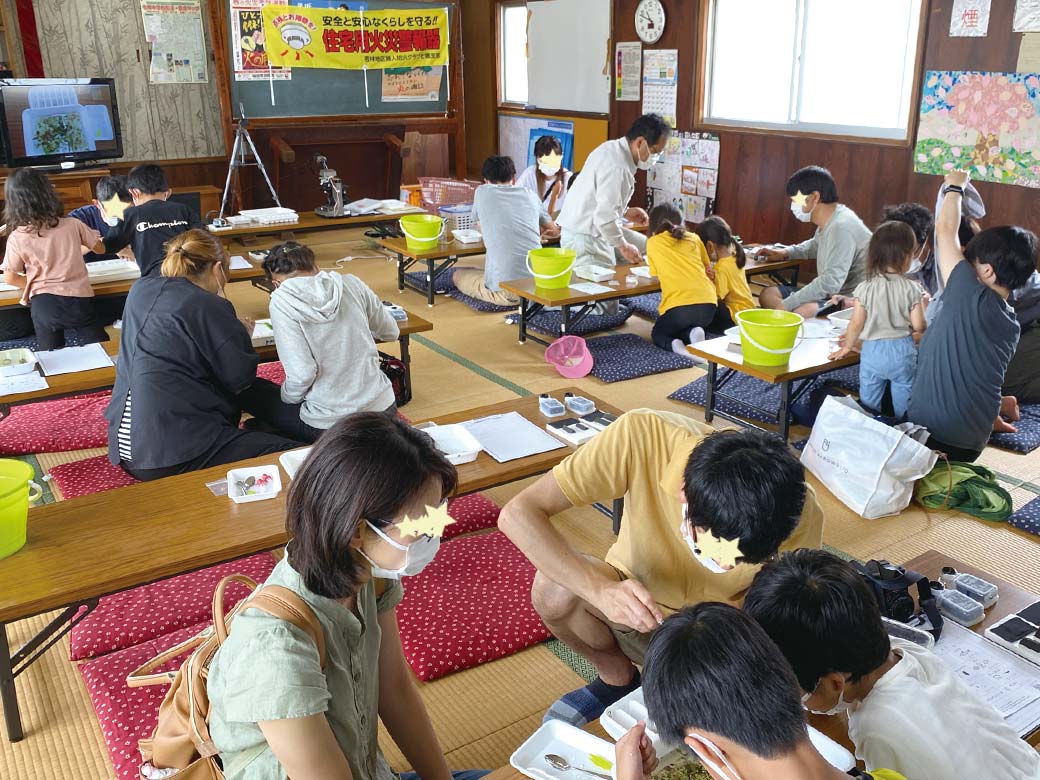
x: 470, y: 359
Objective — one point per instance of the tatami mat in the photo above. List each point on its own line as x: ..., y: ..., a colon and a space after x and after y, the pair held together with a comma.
x: 468, y: 360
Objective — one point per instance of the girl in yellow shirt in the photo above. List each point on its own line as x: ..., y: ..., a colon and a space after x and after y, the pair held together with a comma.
x: 688, y: 299
x: 728, y: 259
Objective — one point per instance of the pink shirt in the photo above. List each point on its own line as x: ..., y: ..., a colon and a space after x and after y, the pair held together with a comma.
x: 52, y: 262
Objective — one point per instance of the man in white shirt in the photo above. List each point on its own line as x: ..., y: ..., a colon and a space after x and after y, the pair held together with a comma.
x: 907, y: 710
x: 597, y: 203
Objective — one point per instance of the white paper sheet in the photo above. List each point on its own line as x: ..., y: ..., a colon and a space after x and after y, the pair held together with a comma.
x: 642, y: 270
x: 969, y: 18
x: 23, y: 383
x: 8, y: 288
x: 1027, y: 16
x: 591, y: 288
x: 239, y: 263
x: 511, y: 436
x: 73, y: 359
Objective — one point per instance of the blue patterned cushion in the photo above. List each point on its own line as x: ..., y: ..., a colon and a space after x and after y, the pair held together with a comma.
x: 72, y: 339
x: 478, y: 305
x: 846, y: 378
x: 749, y: 390
x: 628, y: 356
x: 444, y: 281
x: 646, y: 305
x: 1027, y: 438
x: 548, y: 322
x: 1027, y: 518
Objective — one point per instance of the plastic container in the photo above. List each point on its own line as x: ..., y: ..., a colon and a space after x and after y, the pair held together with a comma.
x: 841, y: 319
x: 911, y: 634
x: 459, y: 217
x: 17, y: 490
x: 986, y: 593
x: 550, y: 407
x: 458, y: 445
x: 570, y: 356
x: 293, y: 459
x: 960, y: 608
x: 551, y: 267
x: 768, y: 336
x: 574, y: 745
x: 579, y: 405
x: 422, y: 231
x: 238, y: 494
x: 14, y: 362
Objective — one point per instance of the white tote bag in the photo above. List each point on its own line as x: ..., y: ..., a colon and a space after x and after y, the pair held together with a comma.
x: 871, y: 467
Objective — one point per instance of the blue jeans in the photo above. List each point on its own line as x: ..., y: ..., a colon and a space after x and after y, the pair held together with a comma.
x: 462, y: 774
x: 887, y: 360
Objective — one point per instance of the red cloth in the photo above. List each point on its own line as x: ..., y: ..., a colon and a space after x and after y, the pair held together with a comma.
x: 475, y: 512
x: 272, y: 372
x: 67, y: 424
x: 471, y: 605
x: 92, y: 475
x: 142, y: 614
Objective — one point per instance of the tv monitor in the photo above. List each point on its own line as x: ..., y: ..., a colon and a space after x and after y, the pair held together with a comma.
x: 54, y: 121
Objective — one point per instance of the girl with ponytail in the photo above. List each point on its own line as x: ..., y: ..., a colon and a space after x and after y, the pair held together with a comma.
x: 187, y: 371
x: 688, y: 299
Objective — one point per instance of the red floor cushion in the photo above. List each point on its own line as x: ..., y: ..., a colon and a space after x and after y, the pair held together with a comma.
x: 475, y: 512
x: 134, y: 616
x: 272, y: 372
x: 92, y: 475
x: 126, y: 714
x: 471, y: 605
x: 67, y: 424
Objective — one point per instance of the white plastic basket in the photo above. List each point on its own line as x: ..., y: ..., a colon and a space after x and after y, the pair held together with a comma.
x: 458, y: 217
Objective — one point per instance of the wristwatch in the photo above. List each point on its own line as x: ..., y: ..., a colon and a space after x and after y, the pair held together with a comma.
x: 953, y: 188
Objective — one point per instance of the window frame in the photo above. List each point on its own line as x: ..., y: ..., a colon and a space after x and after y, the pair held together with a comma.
x: 825, y: 132
x: 500, y: 8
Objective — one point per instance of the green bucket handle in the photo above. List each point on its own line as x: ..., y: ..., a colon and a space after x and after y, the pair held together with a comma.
x: 545, y: 276
x: 797, y: 341
x: 444, y: 224
x: 34, y: 487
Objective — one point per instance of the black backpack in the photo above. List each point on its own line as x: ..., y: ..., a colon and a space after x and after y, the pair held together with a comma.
x: 397, y: 373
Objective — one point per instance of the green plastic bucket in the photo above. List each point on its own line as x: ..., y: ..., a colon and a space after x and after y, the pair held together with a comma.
x: 15, y: 485
x: 551, y: 267
x: 422, y: 231
x: 768, y: 336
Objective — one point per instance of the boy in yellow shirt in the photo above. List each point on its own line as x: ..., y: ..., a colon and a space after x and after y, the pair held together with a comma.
x: 727, y: 257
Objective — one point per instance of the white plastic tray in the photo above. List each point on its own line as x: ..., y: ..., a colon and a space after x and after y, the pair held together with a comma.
x: 293, y: 459
x: 841, y: 319
x: 458, y: 445
x: 573, y: 744
x: 236, y: 475
x: 16, y: 369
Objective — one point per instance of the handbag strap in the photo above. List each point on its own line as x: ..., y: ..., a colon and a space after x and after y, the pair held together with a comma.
x: 286, y: 605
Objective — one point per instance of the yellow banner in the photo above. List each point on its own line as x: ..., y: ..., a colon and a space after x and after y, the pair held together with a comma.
x: 327, y: 38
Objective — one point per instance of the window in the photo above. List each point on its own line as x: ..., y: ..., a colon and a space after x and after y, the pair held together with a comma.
x: 512, y: 52
x: 813, y: 65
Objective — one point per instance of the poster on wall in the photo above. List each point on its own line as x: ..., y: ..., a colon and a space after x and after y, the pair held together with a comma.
x: 1027, y: 16
x: 985, y: 123
x: 687, y: 175
x: 661, y: 83
x: 517, y: 136
x: 412, y: 85
x: 173, y: 29
x: 969, y: 18
x: 627, y: 71
x: 248, y: 45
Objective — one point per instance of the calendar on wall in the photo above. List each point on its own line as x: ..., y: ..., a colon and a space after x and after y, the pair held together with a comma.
x: 687, y: 175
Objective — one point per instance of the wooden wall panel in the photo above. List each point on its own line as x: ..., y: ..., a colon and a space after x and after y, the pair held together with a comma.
x: 479, y: 69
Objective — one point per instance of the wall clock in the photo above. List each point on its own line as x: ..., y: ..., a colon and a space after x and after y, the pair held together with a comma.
x: 650, y: 21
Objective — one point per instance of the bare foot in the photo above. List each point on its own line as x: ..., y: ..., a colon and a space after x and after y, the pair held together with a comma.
x: 1009, y: 408
x: 1000, y: 425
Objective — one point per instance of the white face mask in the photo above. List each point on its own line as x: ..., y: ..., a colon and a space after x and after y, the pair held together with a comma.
x: 801, y: 216
x: 716, y: 762
x: 703, y: 560
x: 548, y: 170
x: 417, y: 556
x: 649, y: 162
x: 837, y: 709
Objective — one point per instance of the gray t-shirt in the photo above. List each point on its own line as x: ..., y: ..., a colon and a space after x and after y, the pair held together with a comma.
x: 961, y: 362
x: 509, y: 218
x: 888, y: 299
x: 840, y: 250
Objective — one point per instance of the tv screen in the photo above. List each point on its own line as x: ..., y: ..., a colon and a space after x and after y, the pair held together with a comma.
x: 50, y: 121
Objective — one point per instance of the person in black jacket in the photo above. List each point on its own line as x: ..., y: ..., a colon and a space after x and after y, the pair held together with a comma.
x: 151, y: 221
x: 187, y: 370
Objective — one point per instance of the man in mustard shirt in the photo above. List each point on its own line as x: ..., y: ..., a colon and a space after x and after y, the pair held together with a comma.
x: 702, y: 509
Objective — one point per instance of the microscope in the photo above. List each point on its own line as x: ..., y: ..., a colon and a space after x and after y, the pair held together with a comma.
x: 333, y: 188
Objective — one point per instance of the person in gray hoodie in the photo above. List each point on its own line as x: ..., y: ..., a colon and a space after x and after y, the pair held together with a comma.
x: 326, y: 326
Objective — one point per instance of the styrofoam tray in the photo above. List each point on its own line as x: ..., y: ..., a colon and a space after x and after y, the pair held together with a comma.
x: 563, y: 739
x: 841, y: 319
x: 237, y: 475
x: 293, y: 459
x: 458, y: 445
x: 16, y: 369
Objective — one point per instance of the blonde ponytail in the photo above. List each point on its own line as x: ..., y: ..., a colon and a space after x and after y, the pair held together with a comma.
x: 192, y: 253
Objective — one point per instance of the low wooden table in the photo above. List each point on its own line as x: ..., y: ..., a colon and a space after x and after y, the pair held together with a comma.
x: 774, y: 270
x: 247, y: 235
x: 85, y: 548
x: 64, y: 385
x: 533, y: 298
x: 438, y: 260
x: 809, y: 359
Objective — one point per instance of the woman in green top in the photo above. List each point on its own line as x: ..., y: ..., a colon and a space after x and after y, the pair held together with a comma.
x: 275, y: 712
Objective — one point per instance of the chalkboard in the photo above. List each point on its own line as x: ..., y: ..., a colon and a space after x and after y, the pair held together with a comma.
x: 328, y: 92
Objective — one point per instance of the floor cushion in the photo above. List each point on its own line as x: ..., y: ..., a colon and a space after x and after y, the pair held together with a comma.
x: 482, y: 306
x: 475, y: 512
x: 1027, y: 517
x: 471, y: 605
x: 646, y: 306
x: 72, y: 339
x: 272, y: 372
x: 62, y: 425
x: 627, y: 356
x: 1026, y: 439
x: 445, y: 282
x: 748, y: 390
x: 126, y: 714
x: 92, y: 475
x: 549, y: 322
x: 142, y: 614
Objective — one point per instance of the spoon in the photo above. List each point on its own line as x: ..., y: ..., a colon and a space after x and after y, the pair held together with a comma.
x: 560, y: 763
